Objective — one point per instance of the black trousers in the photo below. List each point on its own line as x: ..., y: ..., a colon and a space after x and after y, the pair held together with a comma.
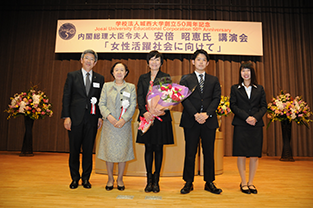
x: 192, y: 138
x: 82, y: 137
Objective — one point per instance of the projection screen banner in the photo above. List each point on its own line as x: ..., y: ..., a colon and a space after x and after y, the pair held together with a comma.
x: 166, y: 36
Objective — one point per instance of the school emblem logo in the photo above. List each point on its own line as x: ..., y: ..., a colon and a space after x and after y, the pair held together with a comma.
x: 67, y: 31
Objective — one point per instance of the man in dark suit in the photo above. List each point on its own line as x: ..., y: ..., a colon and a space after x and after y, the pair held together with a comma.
x: 199, y: 120
x: 81, y: 115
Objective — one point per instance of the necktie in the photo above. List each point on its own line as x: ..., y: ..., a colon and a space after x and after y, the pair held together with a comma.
x: 201, y: 82
x: 87, y: 83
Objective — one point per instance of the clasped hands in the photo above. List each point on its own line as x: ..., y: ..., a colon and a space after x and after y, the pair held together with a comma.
x: 201, y: 117
x: 251, y: 120
x: 116, y: 123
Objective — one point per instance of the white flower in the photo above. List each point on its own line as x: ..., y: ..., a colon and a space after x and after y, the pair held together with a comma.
x: 14, y: 101
x: 297, y: 106
x: 279, y: 104
x: 125, y: 104
x: 36, y: 99
x: 22, y: 107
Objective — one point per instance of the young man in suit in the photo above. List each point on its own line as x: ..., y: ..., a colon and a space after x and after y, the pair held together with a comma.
x: 199, y: 120
x: 81, y: 115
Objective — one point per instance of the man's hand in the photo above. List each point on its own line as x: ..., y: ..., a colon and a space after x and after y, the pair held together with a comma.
x: 201, y: 117
x: 100, y: 122
x: 67, y: 123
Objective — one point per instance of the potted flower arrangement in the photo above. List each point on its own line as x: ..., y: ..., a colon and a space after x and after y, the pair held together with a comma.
x: 223, y: 109
x: 285, y: 108
x: 32, y: 104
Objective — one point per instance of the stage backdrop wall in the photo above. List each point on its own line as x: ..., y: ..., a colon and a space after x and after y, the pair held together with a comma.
x: 27, y: 42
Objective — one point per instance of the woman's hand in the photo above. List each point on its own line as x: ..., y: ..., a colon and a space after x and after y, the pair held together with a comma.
x: 251, y: 120
x: 148, y: 116
x: 112, y: 120
x: 120, y: 123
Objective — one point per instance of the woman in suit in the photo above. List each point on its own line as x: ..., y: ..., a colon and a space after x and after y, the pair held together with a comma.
x: 160, y: 132
x: 248, y: 103
x: 117, y: 106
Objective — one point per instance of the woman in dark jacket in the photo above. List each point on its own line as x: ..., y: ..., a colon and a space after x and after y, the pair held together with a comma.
x: 248, y: 103
x: 160, y: 132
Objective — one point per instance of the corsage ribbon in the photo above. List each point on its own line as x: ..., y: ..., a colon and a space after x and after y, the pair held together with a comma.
x: 93, y: 101
x: 125, y: 104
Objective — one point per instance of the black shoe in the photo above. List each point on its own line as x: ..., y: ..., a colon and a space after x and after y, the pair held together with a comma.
x: 156, y: 187
x: 74, y: 184
x: 246, y: 191
x: 108, y: 188
x: 209, y: 186
x: 86, y: 184
x: 121, y: 188
x: 187, y: 188
x: 149, y: 186
x: 253, y: 189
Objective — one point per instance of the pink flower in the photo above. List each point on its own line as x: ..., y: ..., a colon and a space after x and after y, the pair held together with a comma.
x: 169, y: 86
x: 175, y: 98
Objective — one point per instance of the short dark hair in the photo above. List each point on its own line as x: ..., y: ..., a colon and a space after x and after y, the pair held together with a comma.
x: 248, y: 65
x: 92, y: 52
x: 197, y: 52
x: 155, y: 54
x: 126, y: 69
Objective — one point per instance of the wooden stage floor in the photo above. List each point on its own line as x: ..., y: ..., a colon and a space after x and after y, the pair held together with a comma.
x: 43, y: 180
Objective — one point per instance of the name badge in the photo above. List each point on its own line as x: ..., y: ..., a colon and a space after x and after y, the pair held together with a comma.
x: 126, y: 94
x: 96, y: 85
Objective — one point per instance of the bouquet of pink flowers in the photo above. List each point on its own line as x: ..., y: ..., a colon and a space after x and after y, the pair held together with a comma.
x: 162, y: 96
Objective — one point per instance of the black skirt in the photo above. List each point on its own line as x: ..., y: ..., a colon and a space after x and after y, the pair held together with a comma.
x: 160, y: 132
x: 247, y: 141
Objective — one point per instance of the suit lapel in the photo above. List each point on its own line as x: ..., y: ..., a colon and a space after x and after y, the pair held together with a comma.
x: 254, y: 91
x: 81, y: 81
x: 195, y: 82
x: 147, y: 81
x: 243, y: 92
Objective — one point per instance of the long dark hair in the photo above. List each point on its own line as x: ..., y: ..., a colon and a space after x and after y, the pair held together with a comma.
x: 248, y: 65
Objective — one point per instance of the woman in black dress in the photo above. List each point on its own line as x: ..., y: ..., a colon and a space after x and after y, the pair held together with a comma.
x: 248, y: 103
x: 160, y: 132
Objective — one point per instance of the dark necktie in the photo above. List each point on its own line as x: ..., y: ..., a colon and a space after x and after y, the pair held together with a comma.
x: 201, y: 82
x: 87, y: 83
